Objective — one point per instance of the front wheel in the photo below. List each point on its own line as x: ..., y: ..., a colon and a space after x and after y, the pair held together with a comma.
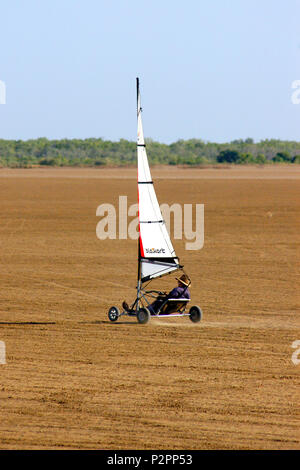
x: 195, y: 313
x: 143, y: 315
x: 113, y: 313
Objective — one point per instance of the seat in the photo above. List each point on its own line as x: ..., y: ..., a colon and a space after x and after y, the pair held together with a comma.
x: 174, y: 305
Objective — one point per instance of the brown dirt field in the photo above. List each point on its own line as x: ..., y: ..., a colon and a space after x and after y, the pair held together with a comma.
x: 73, y: 380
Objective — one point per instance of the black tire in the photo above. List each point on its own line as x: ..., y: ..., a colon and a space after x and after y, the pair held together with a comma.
x: 113, y: 313
x: 143, y: 315
x: 195, y: 313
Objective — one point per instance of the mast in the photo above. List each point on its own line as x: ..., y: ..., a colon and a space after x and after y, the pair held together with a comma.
x: 137, y: 113
x: 139, y: 246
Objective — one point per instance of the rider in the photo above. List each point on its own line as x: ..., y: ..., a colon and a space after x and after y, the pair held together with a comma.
x: 181, y: 291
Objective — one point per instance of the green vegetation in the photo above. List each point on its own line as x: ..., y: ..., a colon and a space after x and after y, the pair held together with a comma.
x: 98, y: 152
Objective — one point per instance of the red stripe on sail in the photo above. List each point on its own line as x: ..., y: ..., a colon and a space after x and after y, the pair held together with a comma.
x: 141, y: 247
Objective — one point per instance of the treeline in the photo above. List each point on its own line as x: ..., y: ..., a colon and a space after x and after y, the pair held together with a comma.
x: 99, y: 152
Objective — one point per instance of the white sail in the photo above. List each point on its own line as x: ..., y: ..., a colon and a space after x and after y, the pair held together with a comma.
x: 157, y: 255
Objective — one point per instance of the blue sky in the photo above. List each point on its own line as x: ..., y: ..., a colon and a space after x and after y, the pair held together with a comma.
x: 215, y: 70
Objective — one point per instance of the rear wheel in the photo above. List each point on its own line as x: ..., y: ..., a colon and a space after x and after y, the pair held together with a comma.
x: 195, y: 313
x: 143, y: 315
x: 113, y: 313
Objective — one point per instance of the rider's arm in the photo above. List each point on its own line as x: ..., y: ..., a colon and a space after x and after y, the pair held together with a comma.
x: 174, y: 293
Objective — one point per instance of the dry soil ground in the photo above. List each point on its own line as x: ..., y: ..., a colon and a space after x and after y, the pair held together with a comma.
x: 73, y: 380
